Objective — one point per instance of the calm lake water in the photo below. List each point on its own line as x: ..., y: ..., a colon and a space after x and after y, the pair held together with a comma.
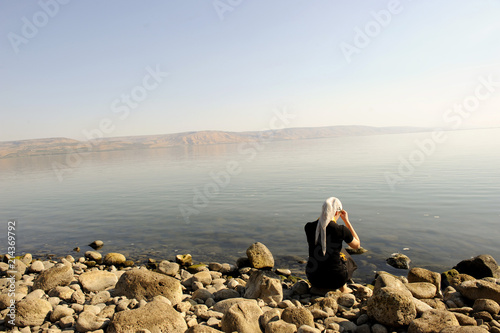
x: 444, y: 209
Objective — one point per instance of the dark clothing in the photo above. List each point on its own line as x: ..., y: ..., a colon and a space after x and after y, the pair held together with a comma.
x: 329, y: 270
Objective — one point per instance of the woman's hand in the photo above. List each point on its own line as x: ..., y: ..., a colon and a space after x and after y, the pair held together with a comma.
x: 343, y: 215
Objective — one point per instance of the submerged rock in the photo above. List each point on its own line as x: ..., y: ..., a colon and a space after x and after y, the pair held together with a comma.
x: 96, y: 245
x: 399, y: 260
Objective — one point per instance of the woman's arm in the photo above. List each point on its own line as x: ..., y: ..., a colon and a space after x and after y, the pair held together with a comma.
x: 355, y: 244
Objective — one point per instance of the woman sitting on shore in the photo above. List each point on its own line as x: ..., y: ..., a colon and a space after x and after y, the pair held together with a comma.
x: 328, y: 266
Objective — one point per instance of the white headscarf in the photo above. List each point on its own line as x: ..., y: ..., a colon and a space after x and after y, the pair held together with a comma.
x: 330, y: 207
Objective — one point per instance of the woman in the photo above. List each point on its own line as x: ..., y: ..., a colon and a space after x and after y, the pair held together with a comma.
x: 328, y: 268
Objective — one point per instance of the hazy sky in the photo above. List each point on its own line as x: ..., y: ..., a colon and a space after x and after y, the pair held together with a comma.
x: 67, y: 67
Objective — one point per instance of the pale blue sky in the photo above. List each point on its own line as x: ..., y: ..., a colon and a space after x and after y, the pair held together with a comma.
x: 233, y: 73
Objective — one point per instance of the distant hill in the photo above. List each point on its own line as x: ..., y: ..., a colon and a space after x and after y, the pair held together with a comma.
x: 52, y: 146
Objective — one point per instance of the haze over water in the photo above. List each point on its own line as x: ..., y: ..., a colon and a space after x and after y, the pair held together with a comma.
x: 444, y: 211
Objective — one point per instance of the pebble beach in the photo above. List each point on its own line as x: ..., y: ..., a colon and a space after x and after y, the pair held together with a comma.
x: 98, y: 291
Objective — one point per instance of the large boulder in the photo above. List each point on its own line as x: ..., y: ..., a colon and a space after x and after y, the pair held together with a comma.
x: 156, y: 316
x: 32, y: 312
x: 265, y: 285
x: 53, y: 277
x: 98, y: 280
x: 476, y: 289
x: 260, y: 256
x: 433, y: 321
x: 392, y: 307
x: 142, y: 284
x: 479, y: 267
x: 417, y: 274
x: 422, y: 290
x: 298, y: 316
x: 242, y: 317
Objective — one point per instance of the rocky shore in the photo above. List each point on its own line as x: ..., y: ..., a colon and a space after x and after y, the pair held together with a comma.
x: 96, y: 293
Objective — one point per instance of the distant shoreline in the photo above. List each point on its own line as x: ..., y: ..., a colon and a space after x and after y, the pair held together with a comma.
x: 59, y: 146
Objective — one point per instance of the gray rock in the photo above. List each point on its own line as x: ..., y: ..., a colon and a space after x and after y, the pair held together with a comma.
x: 399, y: 260
x: 280, y: 326
x: 265, y: 285
x: 53, y: 277
x: 378, y: 328
x: 298, y: 316
x: 433, y: 321
x: 260, y: 256
x: 417, y: 274
x: 392, y: 307
x: 225, y: 294
x: 169, y: 268
x: 422, y: 290
x: 477, y: 289
x: 242, y: 317
x: 156, y: 316
x: 114, y: 258
x: 202, y: 294
x: 32, y: 312
x: 488, y: 305
x: 300, y: 287
x: 143, y: 284
x: 479, y: 267
x: 98, y: 280
x: 348, y: 327
x: 89, y: 321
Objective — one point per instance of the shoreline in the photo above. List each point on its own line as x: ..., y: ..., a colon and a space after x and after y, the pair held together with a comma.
x: 91, y: 292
